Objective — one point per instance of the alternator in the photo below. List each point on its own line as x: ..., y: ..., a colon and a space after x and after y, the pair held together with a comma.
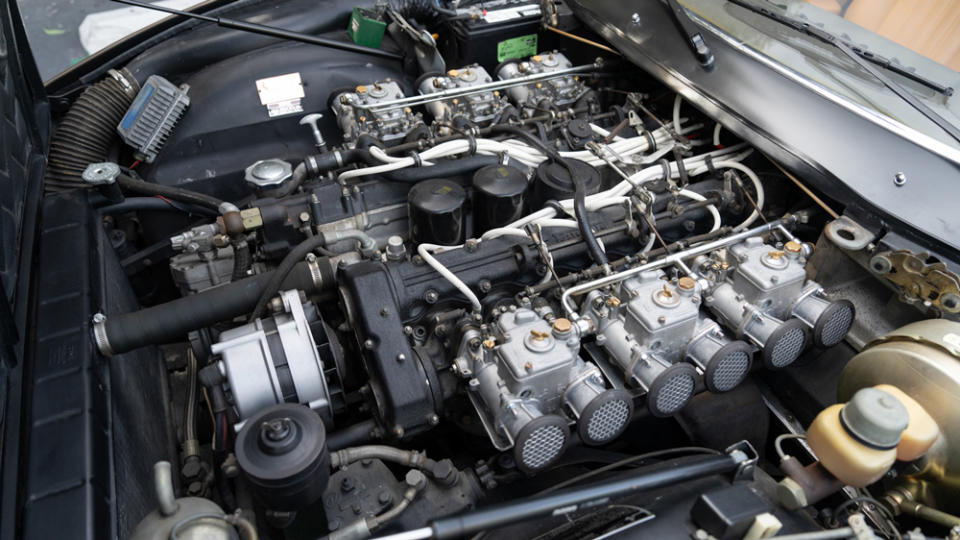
x: 277, y: 359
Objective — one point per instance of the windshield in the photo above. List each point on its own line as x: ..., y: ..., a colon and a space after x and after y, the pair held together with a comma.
x: 921, y: 39
x: 64, y: 32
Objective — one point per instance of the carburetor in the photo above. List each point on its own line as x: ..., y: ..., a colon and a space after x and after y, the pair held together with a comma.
x: 545, y: 95
x: 479, y: 108
x: 358, y: 114
x: 528, y: 384
x: 767, y: 298
x: 657, y: 339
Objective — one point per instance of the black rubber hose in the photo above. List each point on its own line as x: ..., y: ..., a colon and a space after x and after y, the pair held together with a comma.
x: 353, y: 435
x: 172, y: 320
x: 88, y: 130
x: 135, y: 185
x: 133, y: 204
x: 242, y: 261
x: 580, y: 191
x: 279, y: 276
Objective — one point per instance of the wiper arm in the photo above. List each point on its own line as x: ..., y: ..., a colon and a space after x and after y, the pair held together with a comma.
x: 865, y: 61
x: 692, y: 35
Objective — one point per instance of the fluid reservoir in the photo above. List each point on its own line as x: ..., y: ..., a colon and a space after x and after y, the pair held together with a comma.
x: 499, y: 192
x: 921, y: 432
x: 552, y: 181
x: 436, y: 212
x: 857, y: 441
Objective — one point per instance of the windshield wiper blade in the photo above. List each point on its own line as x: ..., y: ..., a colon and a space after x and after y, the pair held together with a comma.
x: 869, y: 56
x: 692, y: 35
x: 862, y: 59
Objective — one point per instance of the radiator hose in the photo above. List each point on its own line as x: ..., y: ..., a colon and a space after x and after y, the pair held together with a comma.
x: 88, y: 130
x: 170, y: 321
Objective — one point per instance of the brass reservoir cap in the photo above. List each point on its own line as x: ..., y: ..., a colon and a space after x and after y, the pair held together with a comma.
x: 453, y: 73
x: 792, y: 247
x: 562, y: 325
x: 361, y: 89
x: 537, y: 58
x: 686, y: 283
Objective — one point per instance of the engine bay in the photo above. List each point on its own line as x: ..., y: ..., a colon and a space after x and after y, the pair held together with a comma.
x: 540, y: 272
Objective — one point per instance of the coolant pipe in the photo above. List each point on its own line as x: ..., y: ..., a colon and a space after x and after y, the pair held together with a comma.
x: 163, y: 323
x: 571, y: 500
x: 673, y: 258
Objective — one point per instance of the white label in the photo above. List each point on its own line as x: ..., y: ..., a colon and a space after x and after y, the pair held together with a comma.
x: 952, y: 339
x: 281, y: 94
x: 511, y: 13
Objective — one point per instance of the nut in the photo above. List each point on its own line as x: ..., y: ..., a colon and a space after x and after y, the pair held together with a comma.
x: 686, y: 283
x: 792, y: 247
x: 562, y: 325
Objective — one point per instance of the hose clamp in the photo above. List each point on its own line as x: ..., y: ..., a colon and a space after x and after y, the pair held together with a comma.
x: 316, y: 277
x: 128, y: 88
x: 100, y: 334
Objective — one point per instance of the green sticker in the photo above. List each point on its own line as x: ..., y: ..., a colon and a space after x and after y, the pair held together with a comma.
x: 518, y: 47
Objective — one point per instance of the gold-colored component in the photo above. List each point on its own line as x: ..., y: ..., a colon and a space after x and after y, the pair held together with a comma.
x: 582, y: 39
x: 251, y: 218
x: 528, y: 366
x: 408, y: 110
x: 923, y: 360
x: 776, y: 254
x: 536, y: 58
x: 539, y: 85
x: 489, y: 343
x: 613, y: 301
x: 562, y: 325
x: 538, y: 335
x: 686, y: 283
x: 363, y: 118
x: 925, y: 282
x: 453, y: 73
x: 496, y: 93
x: 666, y: 291
x: 361, y: 89
x: 455, y: 101
x: 724, y: 265
x: 792, y: 247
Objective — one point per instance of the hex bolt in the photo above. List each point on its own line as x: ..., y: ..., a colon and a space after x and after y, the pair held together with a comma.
x: 311, y: 120
x: 899, y: 179
x: 431, y: 296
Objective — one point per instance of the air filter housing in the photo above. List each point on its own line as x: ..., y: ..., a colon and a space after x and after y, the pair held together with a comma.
x: 724, y: 363
x: 540, y: 443
x: 671, y: 390
x: 602, y: 414
x: 829, y: 321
